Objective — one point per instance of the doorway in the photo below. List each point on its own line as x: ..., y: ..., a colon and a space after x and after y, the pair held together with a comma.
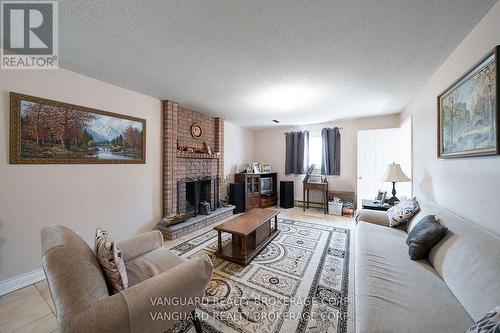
x: 376, y: 150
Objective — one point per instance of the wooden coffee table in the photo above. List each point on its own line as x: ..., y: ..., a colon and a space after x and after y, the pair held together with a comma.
x: 250, y: 233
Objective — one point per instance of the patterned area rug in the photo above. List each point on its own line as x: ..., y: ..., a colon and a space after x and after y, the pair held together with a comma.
x: 298, y: 283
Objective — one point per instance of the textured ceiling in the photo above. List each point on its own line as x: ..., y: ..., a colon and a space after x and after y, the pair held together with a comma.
x: 253, y: 61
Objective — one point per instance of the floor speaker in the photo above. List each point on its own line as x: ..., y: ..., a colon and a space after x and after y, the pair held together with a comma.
x: 286, y: 194
x: 237, y: 197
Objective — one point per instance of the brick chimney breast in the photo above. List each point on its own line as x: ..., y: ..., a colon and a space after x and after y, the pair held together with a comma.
x: 177, y: 166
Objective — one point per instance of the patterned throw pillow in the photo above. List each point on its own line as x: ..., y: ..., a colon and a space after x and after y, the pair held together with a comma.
x: 490, y: 323
x: 111, y: 261
x: 402, y: 212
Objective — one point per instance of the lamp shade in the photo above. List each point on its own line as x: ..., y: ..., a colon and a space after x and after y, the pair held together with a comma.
x: 394, y: 174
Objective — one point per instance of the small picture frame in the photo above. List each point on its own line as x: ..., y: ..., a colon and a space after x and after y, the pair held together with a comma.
x: 248, y: 168
x: 381, y: 195
x: 266, y: 167
x: 256, y: 167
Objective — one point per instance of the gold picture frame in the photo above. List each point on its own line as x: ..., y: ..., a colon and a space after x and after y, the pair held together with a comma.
x: 467, y: 117
x: 44, y: 131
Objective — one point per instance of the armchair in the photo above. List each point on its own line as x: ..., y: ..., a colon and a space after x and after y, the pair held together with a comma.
x: 84, y: 304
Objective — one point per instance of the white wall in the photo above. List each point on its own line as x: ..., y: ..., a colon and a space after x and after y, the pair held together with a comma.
x: 467, y: 186
x: 404, y: 154
x: 238, y: 150
x: 124, y: 199
x: 270, y: 148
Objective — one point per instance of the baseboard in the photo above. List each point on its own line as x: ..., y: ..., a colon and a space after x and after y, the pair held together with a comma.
x: 21, y: 281
x: 300, y: 203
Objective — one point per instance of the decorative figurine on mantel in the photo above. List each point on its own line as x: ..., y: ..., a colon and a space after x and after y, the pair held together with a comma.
x: 200, y: 148
x: 207, y: 148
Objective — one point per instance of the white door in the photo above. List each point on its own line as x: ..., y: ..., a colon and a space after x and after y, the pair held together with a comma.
x: 376, y: 150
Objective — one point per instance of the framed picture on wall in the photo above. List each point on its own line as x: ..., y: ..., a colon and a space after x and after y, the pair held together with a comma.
x: 468, y: 112
x: 43, y: 131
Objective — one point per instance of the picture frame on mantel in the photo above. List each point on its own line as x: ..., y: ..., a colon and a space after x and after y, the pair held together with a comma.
x: 43, y: 131
x: 467, y: 117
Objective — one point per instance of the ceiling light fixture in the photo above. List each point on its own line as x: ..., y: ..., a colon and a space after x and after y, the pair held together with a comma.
x: 288, y: 97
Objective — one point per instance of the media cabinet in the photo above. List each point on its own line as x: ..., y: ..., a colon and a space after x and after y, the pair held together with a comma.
x: 253, y: 197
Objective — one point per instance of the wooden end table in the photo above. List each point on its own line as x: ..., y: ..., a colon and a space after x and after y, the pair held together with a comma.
x: 322, y: 187
x: 250, y: 234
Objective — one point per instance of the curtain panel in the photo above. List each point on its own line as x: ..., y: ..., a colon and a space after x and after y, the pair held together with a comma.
x: 297, y: 152
x: 330, y: 161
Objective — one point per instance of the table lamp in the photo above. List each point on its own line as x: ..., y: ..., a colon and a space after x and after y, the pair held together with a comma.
x: 395, y: 175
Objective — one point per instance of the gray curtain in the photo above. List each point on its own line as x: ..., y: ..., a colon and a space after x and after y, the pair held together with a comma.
x: 297, y: 152
x: 330, y: 162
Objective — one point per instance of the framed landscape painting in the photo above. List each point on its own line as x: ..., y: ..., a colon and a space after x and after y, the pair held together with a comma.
x: 468, y: 112
x: 43, y: 131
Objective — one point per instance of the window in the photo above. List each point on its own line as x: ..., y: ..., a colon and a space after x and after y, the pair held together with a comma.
x: 315, y: 149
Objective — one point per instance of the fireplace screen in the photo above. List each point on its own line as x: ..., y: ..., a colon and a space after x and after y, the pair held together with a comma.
x: 197, y: 191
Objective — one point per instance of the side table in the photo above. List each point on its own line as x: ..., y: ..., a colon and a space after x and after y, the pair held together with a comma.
x: 371, y: 204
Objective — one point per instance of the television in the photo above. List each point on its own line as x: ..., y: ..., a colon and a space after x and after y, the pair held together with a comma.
x: 266, y: 186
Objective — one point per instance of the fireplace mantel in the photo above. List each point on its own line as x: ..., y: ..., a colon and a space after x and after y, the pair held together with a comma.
x: 183, y: 154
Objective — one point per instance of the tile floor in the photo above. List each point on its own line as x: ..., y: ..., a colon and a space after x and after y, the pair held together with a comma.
x: 31, y: 309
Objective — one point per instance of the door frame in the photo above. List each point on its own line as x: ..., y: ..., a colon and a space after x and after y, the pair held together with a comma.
x: 409, y: 120
x: 358, y: 158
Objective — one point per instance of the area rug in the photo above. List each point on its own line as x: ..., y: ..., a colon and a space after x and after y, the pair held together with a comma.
x: 298, y: 283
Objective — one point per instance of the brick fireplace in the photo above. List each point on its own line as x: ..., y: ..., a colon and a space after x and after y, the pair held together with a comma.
x: 180, y: 167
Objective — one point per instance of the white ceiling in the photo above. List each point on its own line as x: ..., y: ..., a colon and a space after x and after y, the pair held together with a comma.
x: 251, y: 61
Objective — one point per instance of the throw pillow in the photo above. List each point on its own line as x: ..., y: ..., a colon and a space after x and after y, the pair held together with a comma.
x: 402, y: 212
x: 424, y: 235
x: 490, y: 323
x: 111, y: 261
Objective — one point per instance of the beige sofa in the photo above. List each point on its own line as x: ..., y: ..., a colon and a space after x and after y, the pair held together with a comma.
x: 81, y: 297
x: 456, y: 286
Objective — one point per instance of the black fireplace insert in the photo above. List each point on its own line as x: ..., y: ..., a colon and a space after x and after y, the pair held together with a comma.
x: 198, y: 190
